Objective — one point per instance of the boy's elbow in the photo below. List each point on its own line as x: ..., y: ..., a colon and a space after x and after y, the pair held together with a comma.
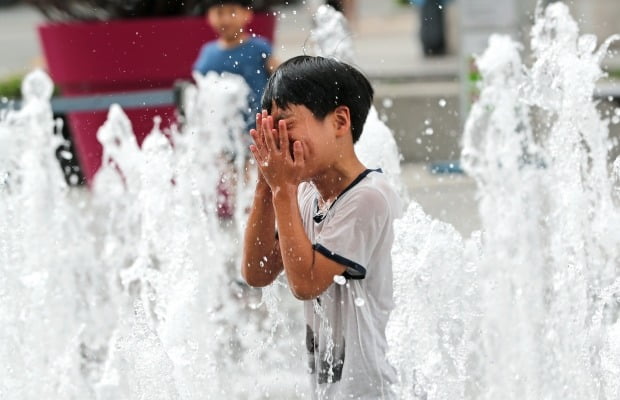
x: 251, y: 281
x: 304, y: 294
x: 254, y: 281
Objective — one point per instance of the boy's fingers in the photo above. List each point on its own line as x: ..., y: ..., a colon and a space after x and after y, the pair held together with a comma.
x: 283, y: 136
x: 257, y: 156
x: 265, y: 129
x: 298, y: 153
x: 258, y: 142
x: 267, y: 136
x: 261, y: 160
x: 259, y: 120
x: 271, y: 141
x: 254, y: 134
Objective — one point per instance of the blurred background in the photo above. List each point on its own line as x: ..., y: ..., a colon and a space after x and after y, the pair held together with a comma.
x: 418, y: 55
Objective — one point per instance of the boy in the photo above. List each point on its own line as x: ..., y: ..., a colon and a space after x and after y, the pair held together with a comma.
x: 235, y: 50
x: 334, y: 223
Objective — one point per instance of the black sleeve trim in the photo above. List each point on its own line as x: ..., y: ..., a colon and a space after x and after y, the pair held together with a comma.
x: 354, y: 270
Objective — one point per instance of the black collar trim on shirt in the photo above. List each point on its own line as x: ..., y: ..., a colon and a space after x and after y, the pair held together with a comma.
x: 319, y: 217
x: 354, y: 270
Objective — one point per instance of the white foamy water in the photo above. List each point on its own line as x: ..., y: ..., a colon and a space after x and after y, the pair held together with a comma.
x: 131, y: 290
x: 527, y: 308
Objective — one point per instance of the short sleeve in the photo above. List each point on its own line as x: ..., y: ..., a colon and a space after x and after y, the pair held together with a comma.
x: 354, y: 230
x: 199, y: 64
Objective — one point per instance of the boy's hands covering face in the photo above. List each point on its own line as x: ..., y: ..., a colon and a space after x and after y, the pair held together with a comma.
x: 279, y: 165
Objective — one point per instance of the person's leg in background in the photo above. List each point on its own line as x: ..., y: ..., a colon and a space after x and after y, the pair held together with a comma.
x: 432, y: 29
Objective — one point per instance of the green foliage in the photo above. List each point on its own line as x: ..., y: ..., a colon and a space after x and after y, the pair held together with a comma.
x: 613, y: 73
x: 474, y: 76
x: 11, y: 87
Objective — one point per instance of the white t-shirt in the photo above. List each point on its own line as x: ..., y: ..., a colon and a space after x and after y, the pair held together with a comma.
x: 345, y: 325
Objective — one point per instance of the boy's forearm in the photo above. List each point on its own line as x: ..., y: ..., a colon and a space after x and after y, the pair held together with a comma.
x: 259, y: 267
x: 295, y: 247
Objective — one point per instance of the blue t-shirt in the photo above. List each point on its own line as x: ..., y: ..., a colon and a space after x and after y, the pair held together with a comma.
x: 248, y: 60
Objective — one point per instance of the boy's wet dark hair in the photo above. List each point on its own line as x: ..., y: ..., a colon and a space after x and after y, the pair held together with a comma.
x: 212, y: 3
x: 320, y: 84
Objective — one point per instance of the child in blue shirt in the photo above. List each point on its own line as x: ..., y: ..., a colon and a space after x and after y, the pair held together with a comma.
x: 239, y: 52
x: 235, y: 50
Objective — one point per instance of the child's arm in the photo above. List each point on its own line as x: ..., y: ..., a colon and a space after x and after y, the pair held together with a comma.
x: 261, y: 262
x: 309, y: 273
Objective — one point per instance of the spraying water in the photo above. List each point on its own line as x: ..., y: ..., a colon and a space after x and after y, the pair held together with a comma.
x: 193, y: 316
x: 528, y: 308
x: 131, y: 290
x: 376, y: 147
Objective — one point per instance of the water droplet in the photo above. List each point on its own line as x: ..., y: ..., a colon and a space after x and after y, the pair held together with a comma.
x: 442, y: 103
x: 339, y: 279
x: 387, y: 102
x: 359, y: 302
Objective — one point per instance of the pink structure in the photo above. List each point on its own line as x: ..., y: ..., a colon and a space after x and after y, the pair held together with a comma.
x: 124, y: 56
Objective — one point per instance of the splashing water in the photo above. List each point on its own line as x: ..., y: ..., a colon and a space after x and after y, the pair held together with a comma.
x: 528, y: 309
x: 331, y: 35
x: 48, y: 311
x: 376, y: 147
x: 131, y: 291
